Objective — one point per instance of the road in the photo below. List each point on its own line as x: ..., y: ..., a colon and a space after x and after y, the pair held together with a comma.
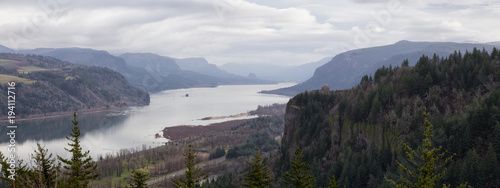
x: 181, y: 172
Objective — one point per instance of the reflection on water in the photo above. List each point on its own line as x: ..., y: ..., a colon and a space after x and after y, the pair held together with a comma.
x: 109, y: 132
x: 59, y: 127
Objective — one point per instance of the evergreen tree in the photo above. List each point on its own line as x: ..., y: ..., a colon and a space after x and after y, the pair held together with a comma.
x: 22, y: 176
x: 193, y: 174
x: 473, y: 168
x: 139, y: 179
x: 496, y: 138
x: 80, y: 168
x: 428, y: 81
x: 426, y: 163
x: 333, y: 183
x: 259, y: 176
x: 491, y: 163
x: 299, y: 177
x: 5, y: 174
x: 46, y: 171
x: 405, y: 63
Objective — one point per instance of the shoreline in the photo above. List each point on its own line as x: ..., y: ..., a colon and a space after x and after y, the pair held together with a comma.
x: 179, y: 132
x: 226, y: 117
x: 62, y: 114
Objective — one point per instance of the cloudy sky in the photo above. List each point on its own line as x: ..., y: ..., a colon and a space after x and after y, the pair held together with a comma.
x: 287, y: 32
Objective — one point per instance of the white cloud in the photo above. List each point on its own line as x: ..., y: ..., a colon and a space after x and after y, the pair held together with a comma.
x: 253, y: 31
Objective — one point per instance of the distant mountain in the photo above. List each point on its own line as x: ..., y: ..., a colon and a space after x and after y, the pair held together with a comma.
x: 303, y: 72
x: 262, y: 71
x: 152, y: 62
x: 146, y: 71
x: 346, y: 69
x: 165, y: 73
x: 91, y: 57
x: 496, y: 43
x: 46, y: 85
x: 156, y: 69
x: 201, y: 65
x: 4, y: 49
x: 276, y: 72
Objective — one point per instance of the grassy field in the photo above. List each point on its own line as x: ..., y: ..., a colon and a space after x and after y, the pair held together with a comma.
x: 30, y: 69
x: 8, y: 78
x: 6, y: 61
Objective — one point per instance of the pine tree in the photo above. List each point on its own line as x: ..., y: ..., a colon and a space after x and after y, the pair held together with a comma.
x: 492, y: 163
x: 426, y: 163
x: 472, y: 166
x: 193, y: 174
x: 333, y: 183
x: 496, y: 138
x: 259, y: 176
x: 22, y: 173
x: 80, y: 168
x: 405, y: 63
x: 46, y: 171
x: 139, y: 179
x: 5, y: 174
x: 299, y: 177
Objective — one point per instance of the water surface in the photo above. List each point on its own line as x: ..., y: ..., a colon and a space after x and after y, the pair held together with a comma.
x: 132, y: 128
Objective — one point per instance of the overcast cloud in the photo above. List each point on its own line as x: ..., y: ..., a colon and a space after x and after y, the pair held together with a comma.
x: 287, y: 32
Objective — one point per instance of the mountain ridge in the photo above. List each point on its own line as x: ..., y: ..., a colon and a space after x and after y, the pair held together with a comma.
x: 5, y: 49
x: 146, y: 71
x: 277, y: 73
x: 47, y: 85
x: 346, y: 69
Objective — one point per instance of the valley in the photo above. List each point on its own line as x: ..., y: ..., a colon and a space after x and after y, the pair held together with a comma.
x: 249, y: 93
x: 354, y: 135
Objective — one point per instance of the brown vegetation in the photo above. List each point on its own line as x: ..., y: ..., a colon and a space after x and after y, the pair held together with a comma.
x: 168, y: 160
x: 186, y: 131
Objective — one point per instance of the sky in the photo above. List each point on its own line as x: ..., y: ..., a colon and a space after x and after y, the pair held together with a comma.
x: 281, y: 32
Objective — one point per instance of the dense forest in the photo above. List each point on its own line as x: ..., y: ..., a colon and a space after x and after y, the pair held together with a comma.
x: 355, y: 137
x: 357, y: 134
x: 53, y: 86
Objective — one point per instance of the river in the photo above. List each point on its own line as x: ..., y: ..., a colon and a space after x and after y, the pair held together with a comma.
x: 109, y: 132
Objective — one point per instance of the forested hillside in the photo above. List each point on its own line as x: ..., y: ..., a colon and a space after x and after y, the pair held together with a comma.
x: 357, y: 134
x: 146, y: 71
x: 346, y: 69
x: 46, y: 85
x: 170, y: 73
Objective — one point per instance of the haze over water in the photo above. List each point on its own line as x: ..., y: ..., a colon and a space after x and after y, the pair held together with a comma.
x: 109, y: 132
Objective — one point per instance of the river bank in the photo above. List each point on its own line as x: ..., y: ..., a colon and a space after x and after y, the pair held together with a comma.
x: 63, y: 114
x: 107, y: 131
x: 186, y: 131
